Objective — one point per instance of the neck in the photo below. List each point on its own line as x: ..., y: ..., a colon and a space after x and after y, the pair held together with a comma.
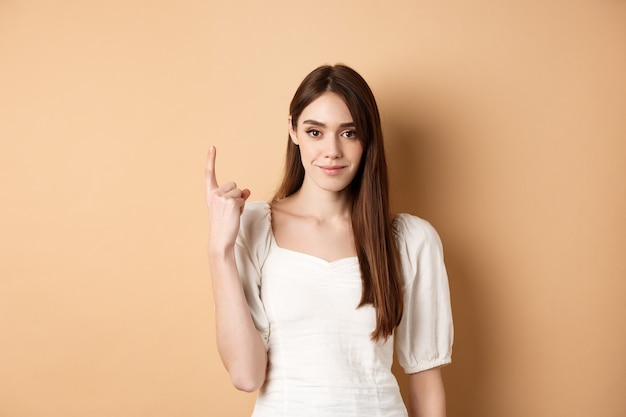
x: 323, y: 205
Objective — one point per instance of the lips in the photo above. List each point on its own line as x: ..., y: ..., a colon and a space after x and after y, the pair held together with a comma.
x: 332, y: 169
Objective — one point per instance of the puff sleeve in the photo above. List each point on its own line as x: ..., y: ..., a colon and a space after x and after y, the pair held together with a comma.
x: 425, y: 334
x: 251, y: 250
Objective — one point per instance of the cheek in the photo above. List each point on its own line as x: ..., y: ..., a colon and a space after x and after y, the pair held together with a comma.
x: 304, y: 151
x: 357, y: 151
x: 306, y: 155
x: 308, y: 151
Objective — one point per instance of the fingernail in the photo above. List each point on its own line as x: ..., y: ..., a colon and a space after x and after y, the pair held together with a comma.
x: 211, y: 148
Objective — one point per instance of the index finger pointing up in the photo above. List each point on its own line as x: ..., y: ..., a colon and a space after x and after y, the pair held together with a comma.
x: 209, y: 172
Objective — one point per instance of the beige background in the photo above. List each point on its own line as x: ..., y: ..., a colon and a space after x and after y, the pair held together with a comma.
x: 506, y: 129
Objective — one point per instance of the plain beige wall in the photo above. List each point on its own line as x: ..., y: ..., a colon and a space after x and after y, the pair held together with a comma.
x: 506, y: 129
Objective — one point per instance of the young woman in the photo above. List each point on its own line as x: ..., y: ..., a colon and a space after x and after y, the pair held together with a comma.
x: 312, y: 289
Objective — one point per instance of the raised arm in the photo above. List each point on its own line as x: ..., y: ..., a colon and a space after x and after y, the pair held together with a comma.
x: 239, y: 344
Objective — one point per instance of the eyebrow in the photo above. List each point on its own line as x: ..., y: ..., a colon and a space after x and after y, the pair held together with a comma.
x: 316, y: 123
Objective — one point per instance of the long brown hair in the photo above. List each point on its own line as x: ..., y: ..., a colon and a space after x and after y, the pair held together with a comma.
x: 371, y: 219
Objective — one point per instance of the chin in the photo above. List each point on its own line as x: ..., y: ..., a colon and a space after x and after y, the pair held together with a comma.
x: 335, y: 188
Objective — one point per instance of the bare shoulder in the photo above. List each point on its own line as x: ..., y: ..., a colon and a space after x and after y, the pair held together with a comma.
x: 284, y: 212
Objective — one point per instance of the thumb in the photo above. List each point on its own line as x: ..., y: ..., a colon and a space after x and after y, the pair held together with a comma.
x: 245, y: 193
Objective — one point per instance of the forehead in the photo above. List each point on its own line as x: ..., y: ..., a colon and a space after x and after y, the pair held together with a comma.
x: 327, y: 108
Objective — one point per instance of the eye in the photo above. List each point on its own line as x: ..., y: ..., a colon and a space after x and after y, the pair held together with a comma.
x: 314, y: 133
x: 350, y: 134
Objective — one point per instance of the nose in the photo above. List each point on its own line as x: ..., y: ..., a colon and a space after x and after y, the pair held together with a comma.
x: 333, y: 148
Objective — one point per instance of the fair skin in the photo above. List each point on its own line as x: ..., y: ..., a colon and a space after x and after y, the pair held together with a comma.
x: 320, y: 210
x: 238, y: 342
x: 427, y: 397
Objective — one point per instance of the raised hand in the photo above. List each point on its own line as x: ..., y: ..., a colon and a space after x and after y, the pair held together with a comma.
x: 225, y: 205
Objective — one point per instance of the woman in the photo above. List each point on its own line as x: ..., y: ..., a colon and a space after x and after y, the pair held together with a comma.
x: 312, y: 290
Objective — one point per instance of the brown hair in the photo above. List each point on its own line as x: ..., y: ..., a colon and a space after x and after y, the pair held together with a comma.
x: 371, y: 219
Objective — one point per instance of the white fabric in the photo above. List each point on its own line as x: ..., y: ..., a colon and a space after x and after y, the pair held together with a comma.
x: 322, y: 361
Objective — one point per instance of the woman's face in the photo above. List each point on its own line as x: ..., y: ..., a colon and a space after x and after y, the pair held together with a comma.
x: 329, y: 145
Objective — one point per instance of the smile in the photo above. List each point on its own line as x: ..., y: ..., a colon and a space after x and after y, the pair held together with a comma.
x: 332, y: 170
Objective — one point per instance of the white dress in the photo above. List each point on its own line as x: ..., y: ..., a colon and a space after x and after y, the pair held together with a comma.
x: 322, y: 362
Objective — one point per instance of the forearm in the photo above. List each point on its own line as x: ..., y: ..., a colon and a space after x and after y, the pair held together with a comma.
x: 239, y: 344
x: 427, y: 396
